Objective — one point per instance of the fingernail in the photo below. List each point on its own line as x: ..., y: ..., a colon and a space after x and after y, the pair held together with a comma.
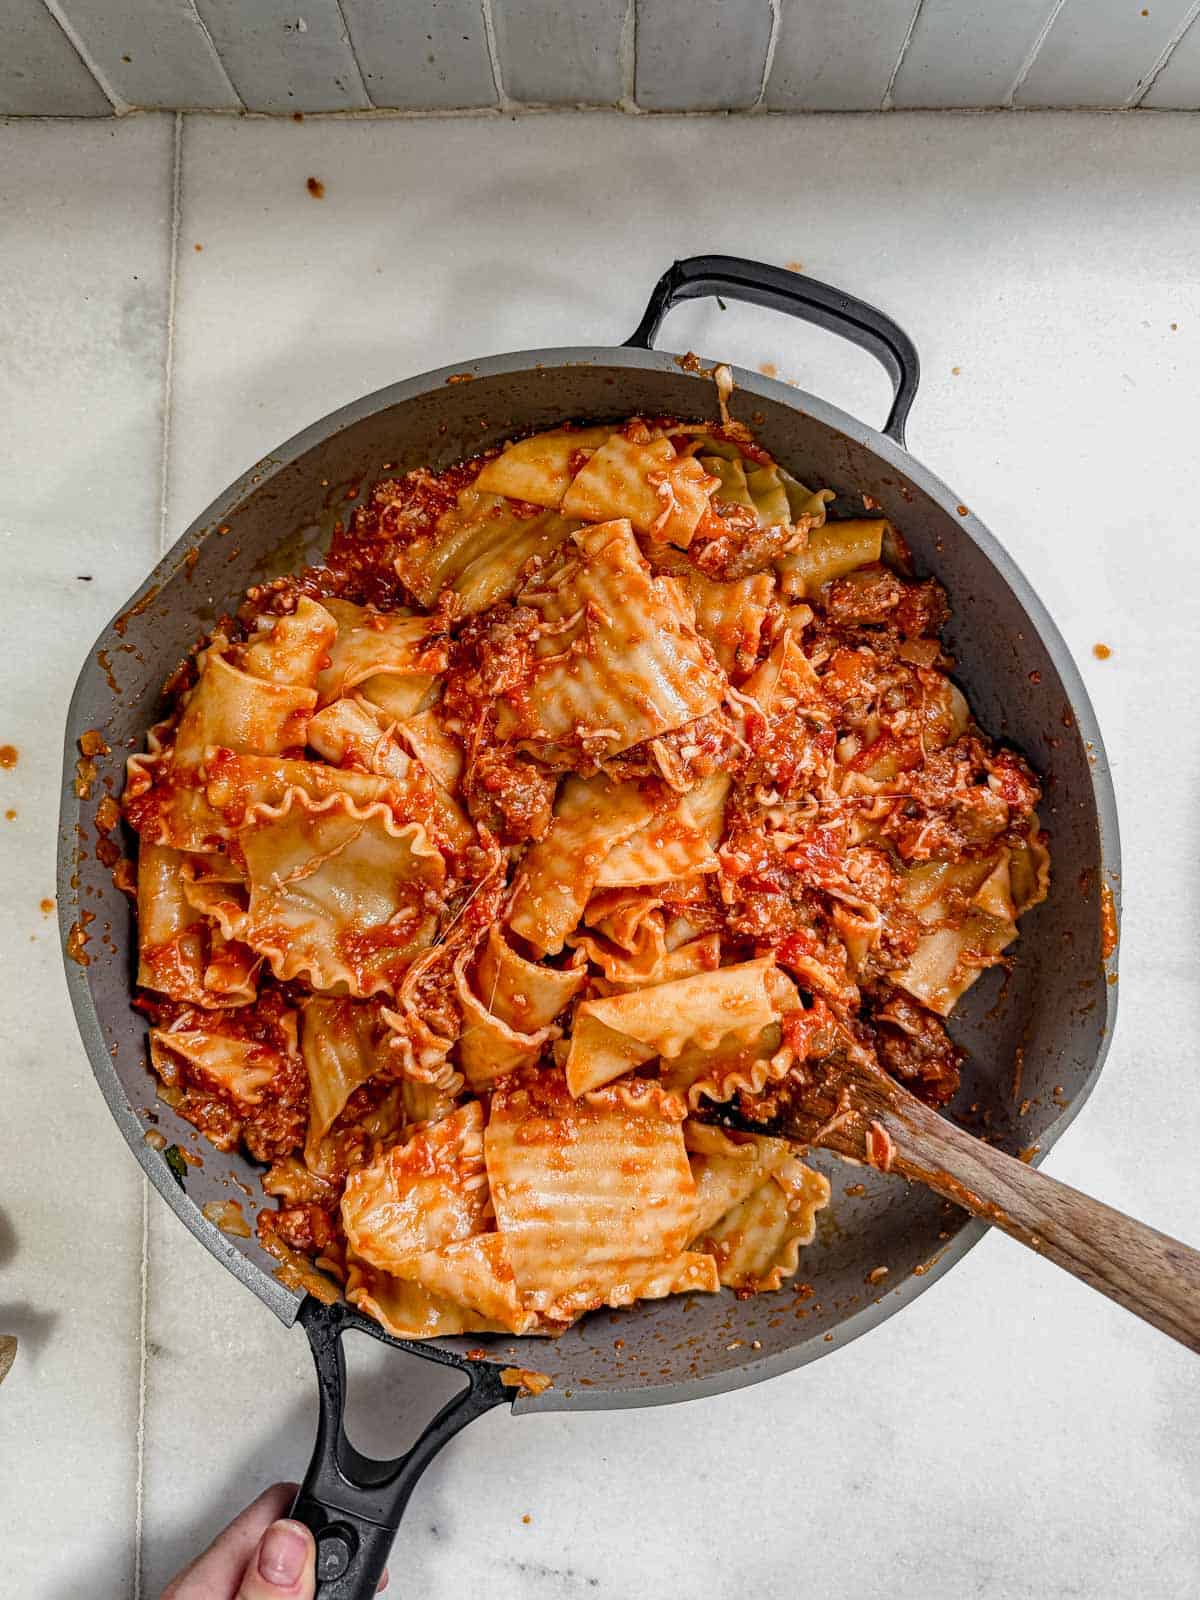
x: 282, y: 1554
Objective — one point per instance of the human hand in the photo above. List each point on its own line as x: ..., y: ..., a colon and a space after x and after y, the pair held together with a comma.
x: 261, y: 1555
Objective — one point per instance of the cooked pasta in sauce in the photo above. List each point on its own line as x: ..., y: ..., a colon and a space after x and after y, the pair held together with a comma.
x: 589, y: 786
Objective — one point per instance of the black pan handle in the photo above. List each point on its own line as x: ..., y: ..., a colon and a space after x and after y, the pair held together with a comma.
x: 782, y: 290
x: 352, y: 1503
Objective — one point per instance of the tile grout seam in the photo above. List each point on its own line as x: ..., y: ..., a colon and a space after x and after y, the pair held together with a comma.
x: 216, y: 55
x: 769, y: 58
x: 627, y: 59
x: 120, y: 106
x: 169, y: 353
x: 1035, y: 50
x: 888, y: 103
x: 1140, y: 90
x: 353, y: 49
x: 503, y: 103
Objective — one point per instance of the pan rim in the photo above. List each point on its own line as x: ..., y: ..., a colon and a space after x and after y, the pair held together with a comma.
x: 285, y: 1303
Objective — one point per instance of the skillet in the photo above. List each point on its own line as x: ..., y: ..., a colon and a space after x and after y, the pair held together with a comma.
x: 1053, y: 1013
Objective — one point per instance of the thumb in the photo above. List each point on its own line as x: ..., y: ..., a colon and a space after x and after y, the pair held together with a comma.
x: 283, y: 1567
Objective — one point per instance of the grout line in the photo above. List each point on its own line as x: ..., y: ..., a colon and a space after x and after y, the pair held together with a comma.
x: 140, y: 1494
x: 531, y: 109
x: 353, y: 49
x: 769, y: 59
x: 1139, y: 91
x: 627, y: 50
x: 503, y: 103
x: 216, y: 55
x: 888, y: 101
x: 119, y: 105
x: 1035, y: 49
x: 169, y: 355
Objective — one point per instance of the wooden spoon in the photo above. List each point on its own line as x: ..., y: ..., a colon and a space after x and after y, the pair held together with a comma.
x: 860, y: 1111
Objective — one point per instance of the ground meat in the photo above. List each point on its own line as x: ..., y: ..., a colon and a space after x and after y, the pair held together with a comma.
x: 308, y: 1228
x: 509, y: 794
x: 867, y: 596
x: 732, y: 545
x: 1011, y: 778
x: 914, y: 1046
x: 923, y: 610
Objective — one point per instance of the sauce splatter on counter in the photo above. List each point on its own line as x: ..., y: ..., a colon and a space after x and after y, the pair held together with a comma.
x: 1102, y: 651
x: 315, y: 188
x: 9, y: 756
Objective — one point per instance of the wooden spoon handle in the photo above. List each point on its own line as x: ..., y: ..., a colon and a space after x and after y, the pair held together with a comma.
x: 1148, y: 1273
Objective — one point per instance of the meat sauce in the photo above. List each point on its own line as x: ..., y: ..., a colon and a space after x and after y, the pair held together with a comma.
x: 834, y: 797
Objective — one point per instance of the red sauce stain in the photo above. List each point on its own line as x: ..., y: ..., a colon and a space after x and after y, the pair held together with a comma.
x: 148, y: 599
x: 962, y: 510
x: 1109, y: 931
x: 10, y: 815
x: 92, y: 743
x: 1101, y: 651
x: 1035, y: 678
x: 78, y: 937
x: 47, y: 906
x: 9, y: 756
x: 85, y: 777
x: 315, y: 188
x: 197, y: 247
x: 104, y: 661
x: 794, y: 266
x: 769, y: 369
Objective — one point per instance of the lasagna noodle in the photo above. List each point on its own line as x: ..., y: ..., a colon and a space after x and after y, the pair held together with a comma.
x: 292, y: 649
x: 340, y: 1043
x: 171, y: 932
x: 539, y: 470
x: 244, y: 787
x: 240, y: 1068
x: 349, y: 731
x: 338, y: 896
x: 508, y: 1008
x: 592, y: 818
x: 406, y: 1310
x: 726, y: 1172
x: 419, y: 1196
x: 371, y: 642
x: 614, y: 1035
x: 479, y: 550
x: 588, y: 1196
x: 730, y: 614
x: 239, y: 712
x: 672, y: 846
x: 756, y: 1244
x: 718, y: 1072
x: 399, y: 695
x: 662, y: 494
x: 230, y: 709
x: 970, y: 912
x: 475, y: 1273
x: 622, y: 661
x: 831, y: 552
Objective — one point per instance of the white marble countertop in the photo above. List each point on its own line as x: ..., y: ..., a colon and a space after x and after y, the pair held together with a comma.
x: 173, y: 303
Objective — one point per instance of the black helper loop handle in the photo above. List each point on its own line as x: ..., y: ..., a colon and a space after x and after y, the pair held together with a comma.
x: 352, y: 1503
x: 781, y: 290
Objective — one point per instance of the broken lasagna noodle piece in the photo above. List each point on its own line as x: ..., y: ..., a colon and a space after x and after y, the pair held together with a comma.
x: 592, y: 785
